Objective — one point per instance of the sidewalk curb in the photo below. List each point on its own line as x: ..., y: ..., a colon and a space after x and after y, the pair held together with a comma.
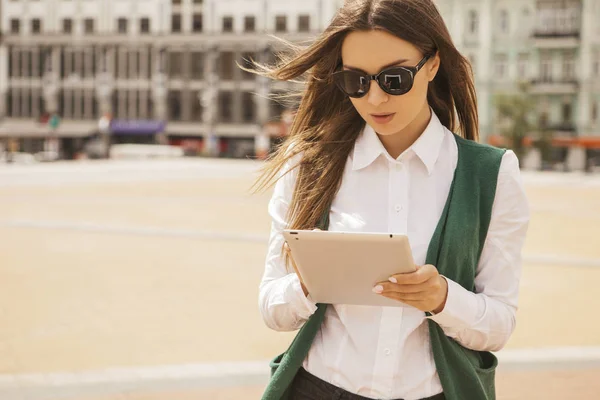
x: 114, y: 381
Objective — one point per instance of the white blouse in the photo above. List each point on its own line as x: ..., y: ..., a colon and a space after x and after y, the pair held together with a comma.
x: 385, y: 352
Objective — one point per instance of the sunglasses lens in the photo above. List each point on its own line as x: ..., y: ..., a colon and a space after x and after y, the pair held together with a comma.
x: 396, y: 81
x: 353, y: 83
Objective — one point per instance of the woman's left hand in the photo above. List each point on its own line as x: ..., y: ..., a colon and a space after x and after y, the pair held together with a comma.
x: 424, y: 289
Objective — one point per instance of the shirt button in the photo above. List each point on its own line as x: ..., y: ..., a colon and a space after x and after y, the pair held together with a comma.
x: 398, y: 207
x: 388, y: 352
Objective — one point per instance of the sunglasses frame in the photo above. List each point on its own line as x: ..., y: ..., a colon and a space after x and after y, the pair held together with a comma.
x: 412, y: 70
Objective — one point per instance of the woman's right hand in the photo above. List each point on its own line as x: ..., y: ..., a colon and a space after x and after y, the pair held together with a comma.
x: 289, y: 254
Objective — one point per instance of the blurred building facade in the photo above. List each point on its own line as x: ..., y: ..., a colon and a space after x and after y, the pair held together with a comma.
x: 164, y: 70
x: 141, y: 63
x: 554, y: 45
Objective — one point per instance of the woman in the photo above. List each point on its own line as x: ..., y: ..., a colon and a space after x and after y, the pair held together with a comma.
x: 372, y: 149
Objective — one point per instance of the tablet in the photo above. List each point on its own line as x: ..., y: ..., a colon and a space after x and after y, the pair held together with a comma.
x: 343, y: 267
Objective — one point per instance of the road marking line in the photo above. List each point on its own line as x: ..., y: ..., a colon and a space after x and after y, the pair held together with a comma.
x: 113, y: 381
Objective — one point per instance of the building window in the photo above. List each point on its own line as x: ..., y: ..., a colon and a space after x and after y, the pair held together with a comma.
x: 197, y: 23
x: 122, y: 25
x: 44, y: 62
x: 144, y: 63
x: 175, y: 65
x: 522, y: 64
x: 88, y: 25
x: 304, y: 23
x: 15, y: 25
x: 15, y: 65
x: 249, y: 24
x: 504, y: 22
x: 248, y: 107
x: 595, y: 111
x: 67, y: 25
x: 596, y: 66
x: 198, y: 1
x: 569, y: 66
x: 227, y: 24
x: 501, y: 66
x: 176, y: 23
x: 546, y: 68
x: 89, y: 62
x: 225, y: 109
x: 567, y: 113
x: 197, y: 70
x: 133, y: 69
x: 280, y: 23
x: 121, y: 63
x: 226, y: 64
x: 473, y: 22
x: 36, y: 25
x: 145, y: 25
x: 174, y: 102
x: 176, y: 2
x: 26, y: 60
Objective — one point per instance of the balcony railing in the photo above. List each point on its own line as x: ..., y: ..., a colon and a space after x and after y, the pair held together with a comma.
x: 558, y: 23
x: 556, y: 34
x: 554, y: 86
x: 566, y: 127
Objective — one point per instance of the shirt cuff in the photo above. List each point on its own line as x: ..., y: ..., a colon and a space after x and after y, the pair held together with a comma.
x: 295, y: 296
x: 460, y: 309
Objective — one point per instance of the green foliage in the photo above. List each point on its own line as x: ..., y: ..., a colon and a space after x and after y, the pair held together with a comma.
x: 515, y: 112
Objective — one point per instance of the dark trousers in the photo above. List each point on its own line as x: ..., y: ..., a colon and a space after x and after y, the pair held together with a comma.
x: 308, y: 387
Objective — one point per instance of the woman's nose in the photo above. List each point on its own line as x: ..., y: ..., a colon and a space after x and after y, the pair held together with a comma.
x: 376, y: 95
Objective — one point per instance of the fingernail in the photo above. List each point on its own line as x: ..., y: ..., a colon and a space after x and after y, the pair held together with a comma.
x: 393, y: 280
x: 378, y: 289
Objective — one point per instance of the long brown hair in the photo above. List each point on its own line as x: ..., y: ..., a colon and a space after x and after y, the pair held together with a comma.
x: 326, y: 124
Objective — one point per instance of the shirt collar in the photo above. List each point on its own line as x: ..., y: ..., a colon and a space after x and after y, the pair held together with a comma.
x: 368, y: 147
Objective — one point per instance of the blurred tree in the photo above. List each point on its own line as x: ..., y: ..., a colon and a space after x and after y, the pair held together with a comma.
x: 515, y: 113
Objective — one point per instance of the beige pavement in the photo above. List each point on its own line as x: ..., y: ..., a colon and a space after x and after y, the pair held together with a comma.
x: 122, y: 274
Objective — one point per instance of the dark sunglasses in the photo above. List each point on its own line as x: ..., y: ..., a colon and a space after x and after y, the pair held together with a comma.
x: 395, y: 81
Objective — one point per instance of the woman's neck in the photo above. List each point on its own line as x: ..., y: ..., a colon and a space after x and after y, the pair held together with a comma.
x: 397, y: 143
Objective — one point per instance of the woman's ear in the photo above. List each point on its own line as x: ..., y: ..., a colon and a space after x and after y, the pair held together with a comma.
x: 433, y: 66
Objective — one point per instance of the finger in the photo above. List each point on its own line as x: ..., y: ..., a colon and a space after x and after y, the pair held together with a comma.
x: 421, y: 275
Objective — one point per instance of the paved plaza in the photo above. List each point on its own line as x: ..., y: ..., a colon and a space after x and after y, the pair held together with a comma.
x: 143, y: 264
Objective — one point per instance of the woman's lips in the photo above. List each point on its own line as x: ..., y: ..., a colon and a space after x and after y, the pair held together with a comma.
x: 383, y: 118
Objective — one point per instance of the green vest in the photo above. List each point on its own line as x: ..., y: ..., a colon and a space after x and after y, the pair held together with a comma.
x: 454, y: 249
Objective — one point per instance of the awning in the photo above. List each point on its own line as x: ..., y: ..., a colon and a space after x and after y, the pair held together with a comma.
x: 136, y: 127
